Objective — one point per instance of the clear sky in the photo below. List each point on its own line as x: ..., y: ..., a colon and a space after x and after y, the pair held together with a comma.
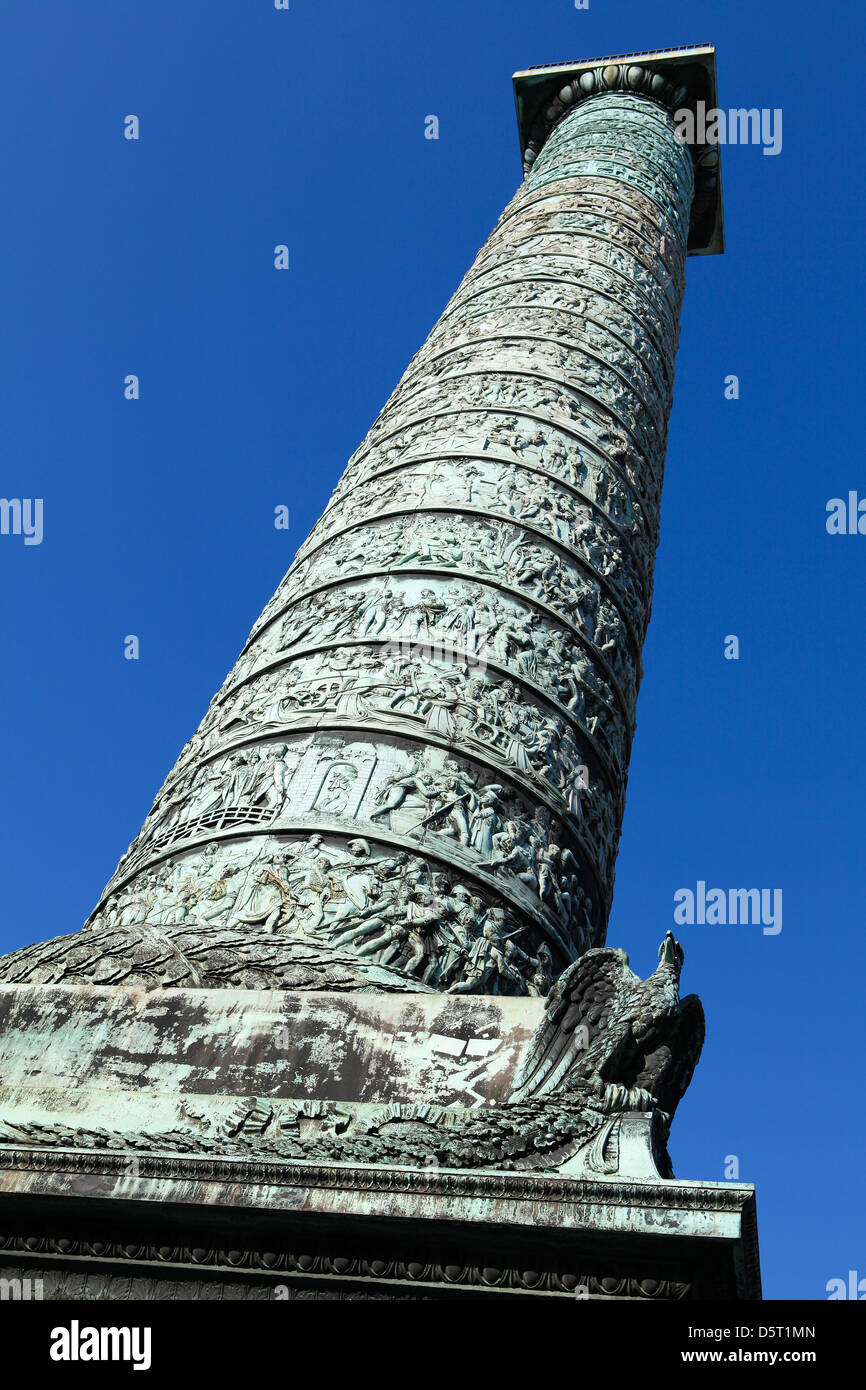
x: 155, y: 257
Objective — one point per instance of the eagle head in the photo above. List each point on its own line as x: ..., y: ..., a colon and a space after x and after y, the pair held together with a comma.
x: 671, y: 953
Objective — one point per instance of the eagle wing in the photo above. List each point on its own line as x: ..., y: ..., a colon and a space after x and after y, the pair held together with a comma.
x: 581, y: 1005
x: 669, y: 1068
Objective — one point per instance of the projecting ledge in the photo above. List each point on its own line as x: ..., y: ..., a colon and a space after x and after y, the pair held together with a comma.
x: 676, y: 78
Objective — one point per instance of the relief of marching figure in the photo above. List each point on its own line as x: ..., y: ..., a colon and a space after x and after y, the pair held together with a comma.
x: 448, y: 806
x: 399, y: 919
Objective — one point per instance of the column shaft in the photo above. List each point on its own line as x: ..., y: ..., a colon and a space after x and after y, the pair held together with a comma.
x: 416, y: 769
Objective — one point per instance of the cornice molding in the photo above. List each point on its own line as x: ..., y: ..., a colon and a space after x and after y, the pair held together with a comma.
x: 673, y: 79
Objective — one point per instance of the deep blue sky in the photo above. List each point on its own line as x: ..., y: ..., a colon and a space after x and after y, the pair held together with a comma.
x: 156, y: 257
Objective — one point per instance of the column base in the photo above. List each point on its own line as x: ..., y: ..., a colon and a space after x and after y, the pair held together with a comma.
x: 209, y: 1229
x: 201, y: 1144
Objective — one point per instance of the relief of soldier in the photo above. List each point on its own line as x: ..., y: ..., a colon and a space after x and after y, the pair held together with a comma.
x: 391, y: 910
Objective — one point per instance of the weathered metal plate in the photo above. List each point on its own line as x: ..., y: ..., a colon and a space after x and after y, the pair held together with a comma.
x: 74, y: 1041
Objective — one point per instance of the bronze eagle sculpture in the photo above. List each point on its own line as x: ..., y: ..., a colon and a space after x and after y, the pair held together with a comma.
x: 634, y: 1043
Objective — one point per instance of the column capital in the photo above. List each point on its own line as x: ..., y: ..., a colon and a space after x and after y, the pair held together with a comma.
x: 676, y: 79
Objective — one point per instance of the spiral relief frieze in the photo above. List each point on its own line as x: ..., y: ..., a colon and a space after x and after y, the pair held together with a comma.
x: 415, y: 772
